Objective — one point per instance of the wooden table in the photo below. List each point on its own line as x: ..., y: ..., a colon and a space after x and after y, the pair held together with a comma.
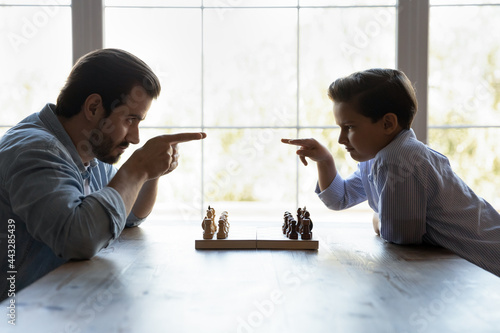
x: 153, y: 280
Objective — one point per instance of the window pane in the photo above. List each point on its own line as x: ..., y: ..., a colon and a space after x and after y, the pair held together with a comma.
x: 250, y: 166
x: 462, y: 2
x: 250, y: 3
x: 34, y: 64
x: 474, y: 155
x: 179, y: 193
x: 250, y: 66
x: 464, y: 90
x: 153, y: 3
x: 337, y: 42
x: 464, y: 64
x: 36, y: 3
x: 168, y: 40
x: 350, y: 3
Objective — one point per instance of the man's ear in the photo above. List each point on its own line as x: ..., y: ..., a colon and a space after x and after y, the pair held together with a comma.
x: 390, y: 122
x: 92, y: 107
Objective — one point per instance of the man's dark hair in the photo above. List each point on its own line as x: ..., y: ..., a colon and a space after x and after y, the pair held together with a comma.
x: 376, y: 92
x: 111, y: 73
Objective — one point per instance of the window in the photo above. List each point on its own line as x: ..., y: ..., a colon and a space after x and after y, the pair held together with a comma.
x: 33, y: 63
x: 464, y: 91
x: 249, y: 72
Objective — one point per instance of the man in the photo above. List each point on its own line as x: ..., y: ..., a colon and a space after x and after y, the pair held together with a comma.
x: 60, y: 197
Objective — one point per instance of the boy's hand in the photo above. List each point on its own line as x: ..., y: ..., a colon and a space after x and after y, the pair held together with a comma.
x: 318, y: 153
x: 310, y: 148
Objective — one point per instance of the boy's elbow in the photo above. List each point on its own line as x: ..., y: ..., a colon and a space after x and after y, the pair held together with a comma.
x: 400, y: 239
x: 338, y: 205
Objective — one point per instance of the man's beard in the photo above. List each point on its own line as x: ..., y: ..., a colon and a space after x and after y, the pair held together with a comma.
x: 102, y: 150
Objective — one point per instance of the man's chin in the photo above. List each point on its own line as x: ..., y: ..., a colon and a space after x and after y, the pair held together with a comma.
x: 110, y: 159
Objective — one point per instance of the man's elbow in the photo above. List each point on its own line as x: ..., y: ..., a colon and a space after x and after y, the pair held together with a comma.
x: 81, y: 250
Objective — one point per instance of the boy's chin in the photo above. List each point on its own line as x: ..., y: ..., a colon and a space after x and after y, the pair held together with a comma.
x: 360, y: 158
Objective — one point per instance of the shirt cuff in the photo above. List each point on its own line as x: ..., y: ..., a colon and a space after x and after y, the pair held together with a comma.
x: 333, y: 195
x: 114, y: 207
x: 336, y: 186
x: 133, y: 221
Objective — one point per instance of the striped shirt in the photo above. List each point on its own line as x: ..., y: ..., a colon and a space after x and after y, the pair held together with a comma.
x: 420, y: 199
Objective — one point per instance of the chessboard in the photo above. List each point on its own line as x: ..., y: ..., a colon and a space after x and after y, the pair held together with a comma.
x: 256, y: 238
x: 291, y: 235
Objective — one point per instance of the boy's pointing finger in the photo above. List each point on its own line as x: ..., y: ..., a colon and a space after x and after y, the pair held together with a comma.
x: 296, y: 142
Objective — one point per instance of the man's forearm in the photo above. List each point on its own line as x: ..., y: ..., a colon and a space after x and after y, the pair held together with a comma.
x: 146, y: 199
x: 128, y: 184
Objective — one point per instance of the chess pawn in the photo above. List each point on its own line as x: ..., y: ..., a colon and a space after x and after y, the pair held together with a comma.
x: 222, y: 230
x: 306, y: 233
x: 306, y: 216
x: 293, y: 230
x: 223, y: 226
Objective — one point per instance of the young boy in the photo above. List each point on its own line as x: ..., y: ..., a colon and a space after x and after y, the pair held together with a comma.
x: 412, y: 188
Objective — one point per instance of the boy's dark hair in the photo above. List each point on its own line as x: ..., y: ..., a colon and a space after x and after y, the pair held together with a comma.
x: 111, y: 73
x: 376, y: 92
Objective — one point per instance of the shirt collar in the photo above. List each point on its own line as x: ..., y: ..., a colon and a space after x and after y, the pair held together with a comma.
x: 49, y: 118
x: 401, y: 137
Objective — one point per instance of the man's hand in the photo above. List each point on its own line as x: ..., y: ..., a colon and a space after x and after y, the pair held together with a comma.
x: 156, y: 158
x: 159, y: 156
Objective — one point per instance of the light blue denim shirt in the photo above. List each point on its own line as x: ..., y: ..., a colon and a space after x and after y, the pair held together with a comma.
x: 42, y: 199
x: 419, y: 199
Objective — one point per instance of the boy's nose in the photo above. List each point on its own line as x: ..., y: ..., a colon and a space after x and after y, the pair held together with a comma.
x: 342, y: 138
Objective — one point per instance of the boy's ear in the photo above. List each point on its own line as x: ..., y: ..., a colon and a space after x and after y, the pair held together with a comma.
x: 390, y: 122
x: 92, y: 107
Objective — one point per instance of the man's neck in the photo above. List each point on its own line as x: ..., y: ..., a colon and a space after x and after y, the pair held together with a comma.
x: 73, y: 126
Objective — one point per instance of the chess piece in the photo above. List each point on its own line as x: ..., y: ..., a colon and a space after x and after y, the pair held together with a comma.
x: 300, y: 213
x: 208, y: 228
x: 284, y: 228
x: 223, y: 226
x: 208, y: 224
x: 291, y: 221
x: 305, y: 232
x: 306, y: 216
x: 293, y: 230
x: 211, y: 213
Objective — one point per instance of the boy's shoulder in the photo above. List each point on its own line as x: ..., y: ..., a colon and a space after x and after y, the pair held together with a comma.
x: 403, y: 145
x: 407, y: 152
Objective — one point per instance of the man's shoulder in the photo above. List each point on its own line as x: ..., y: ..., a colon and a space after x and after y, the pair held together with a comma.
x: 27, y: 135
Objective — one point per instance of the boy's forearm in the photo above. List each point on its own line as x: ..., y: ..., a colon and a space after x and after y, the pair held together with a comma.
x: 326, y: 173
